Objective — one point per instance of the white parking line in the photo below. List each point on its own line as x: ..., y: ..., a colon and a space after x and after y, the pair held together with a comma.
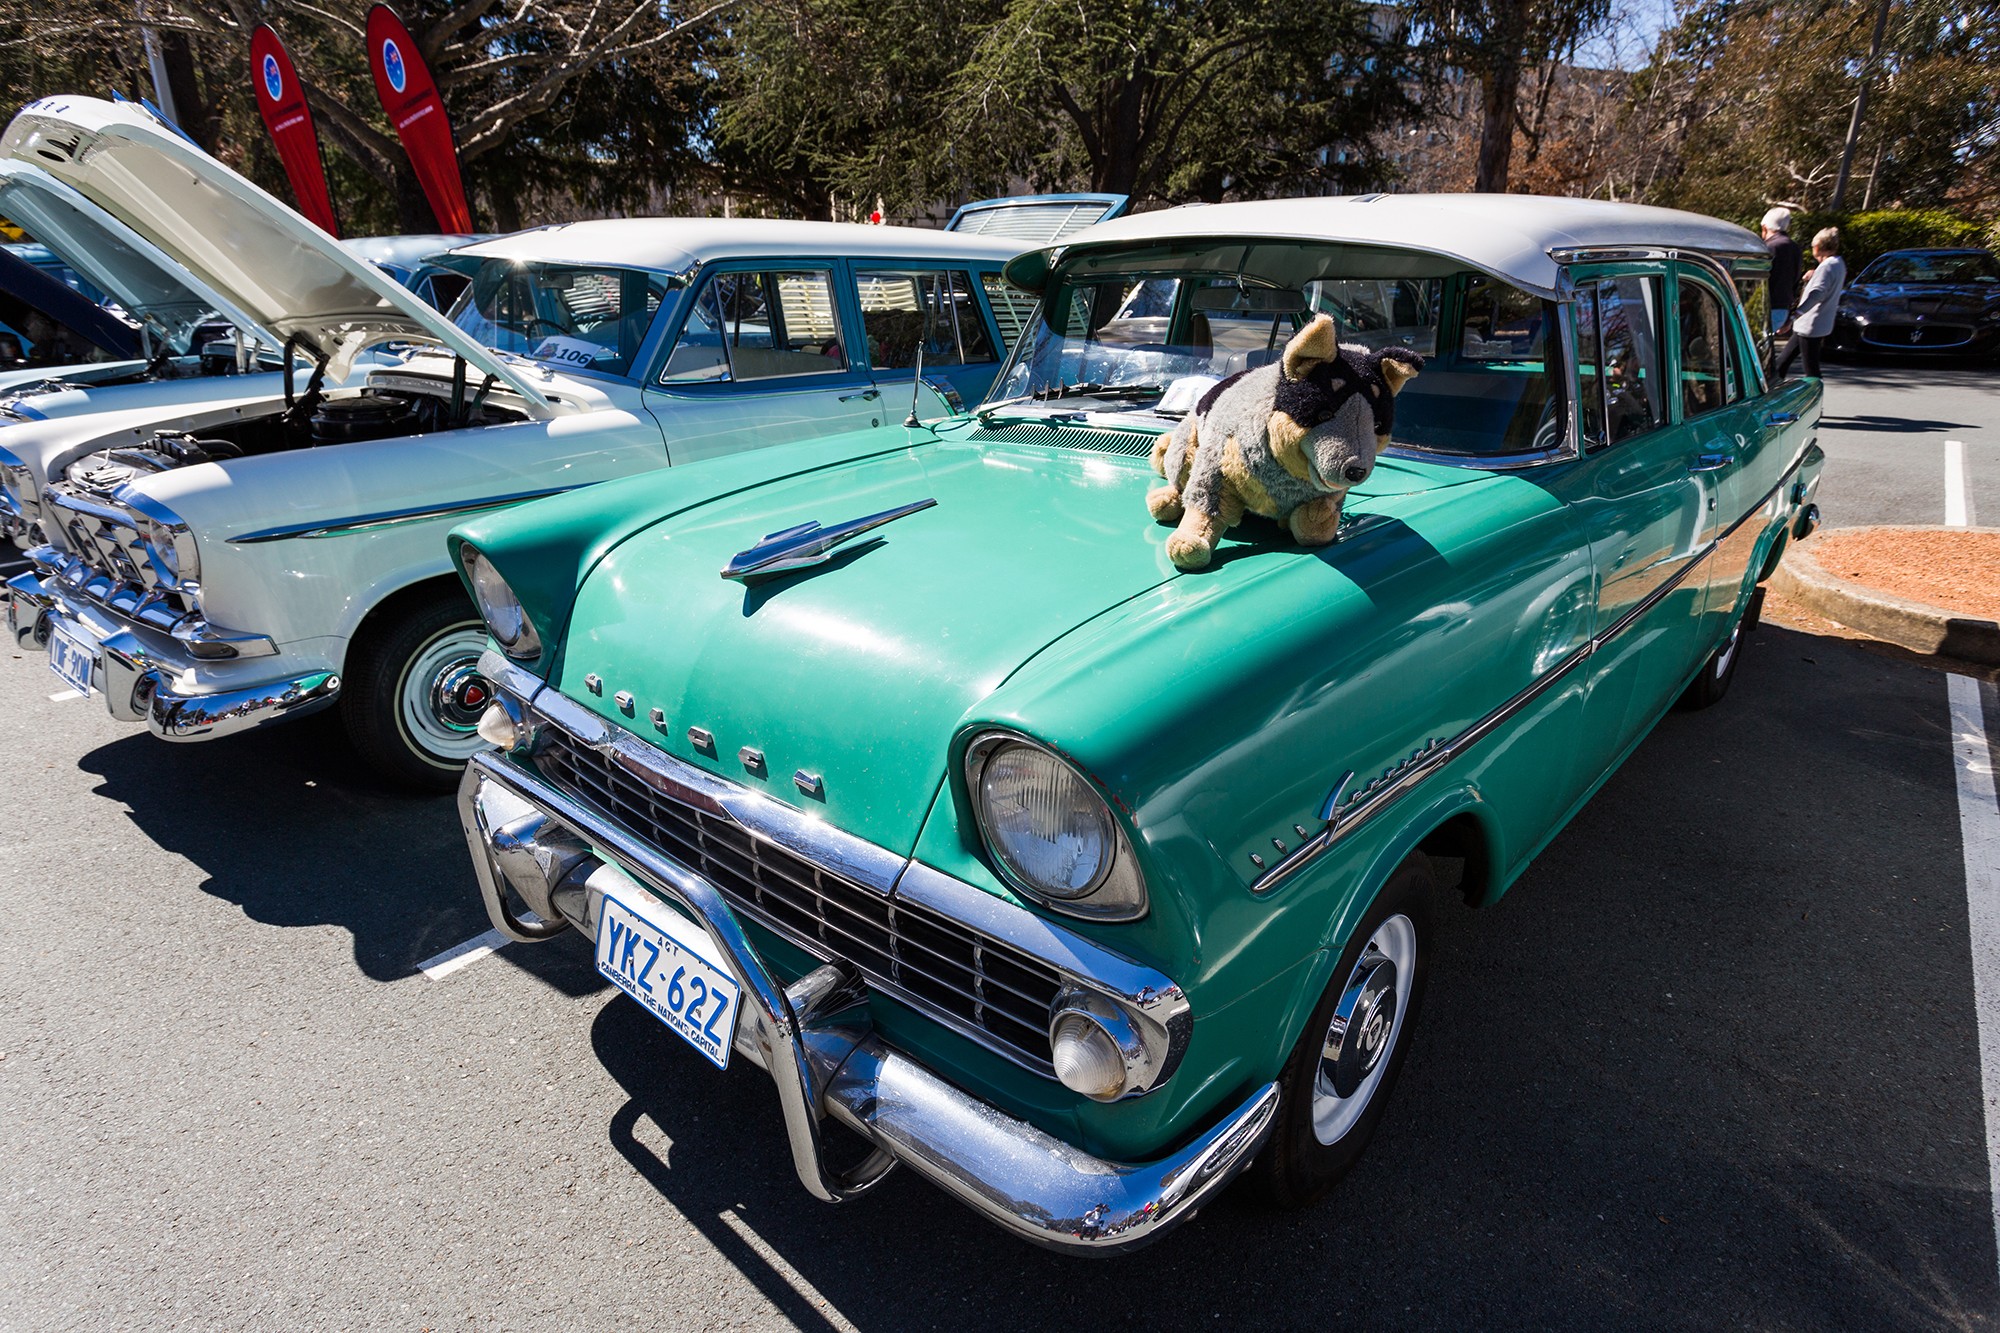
x: 1979, y: 831
x: 60, y: 695
x: 1957, y: 496
x: 468, y: 953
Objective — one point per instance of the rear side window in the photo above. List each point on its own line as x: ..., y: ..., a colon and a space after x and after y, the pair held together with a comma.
x: 901, y: 309
x: 1618, y: 359
x: 1708, y: 379
x: 759, y: 326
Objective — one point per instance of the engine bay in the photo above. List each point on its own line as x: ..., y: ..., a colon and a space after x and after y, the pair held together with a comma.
x: 310, y: 422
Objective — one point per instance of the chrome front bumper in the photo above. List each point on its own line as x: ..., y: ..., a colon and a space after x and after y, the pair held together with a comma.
x: 816, y: 1041
x: 143, y: 678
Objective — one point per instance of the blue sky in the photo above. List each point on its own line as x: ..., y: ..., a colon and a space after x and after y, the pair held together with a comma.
x: 1635, y: 26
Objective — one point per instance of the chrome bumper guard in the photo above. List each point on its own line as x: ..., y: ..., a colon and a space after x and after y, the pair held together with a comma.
x: 816, y: 1041
x: 139, y: 673
x: 28, y: 606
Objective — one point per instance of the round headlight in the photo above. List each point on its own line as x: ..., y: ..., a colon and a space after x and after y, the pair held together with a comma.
x: 1044, y: 821
x: 1048, y: 832
x: 506, y: 619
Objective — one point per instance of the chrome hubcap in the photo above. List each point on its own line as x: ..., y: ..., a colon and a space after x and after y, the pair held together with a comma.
x: 443, y: 694
x: 1728, y: 653
x: 1367, y: 1023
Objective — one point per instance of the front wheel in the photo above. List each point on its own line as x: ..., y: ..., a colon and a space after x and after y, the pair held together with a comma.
x: 414, y: 693
x: 1334, y: 1087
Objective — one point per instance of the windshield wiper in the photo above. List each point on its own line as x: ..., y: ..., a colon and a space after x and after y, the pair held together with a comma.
x: 1094, y: 389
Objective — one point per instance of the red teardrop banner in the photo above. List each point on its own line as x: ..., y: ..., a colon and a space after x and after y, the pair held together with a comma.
x: 282, y: 101
x: 410, y: 97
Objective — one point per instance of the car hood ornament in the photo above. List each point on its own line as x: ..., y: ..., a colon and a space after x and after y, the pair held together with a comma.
x: 807, y: 545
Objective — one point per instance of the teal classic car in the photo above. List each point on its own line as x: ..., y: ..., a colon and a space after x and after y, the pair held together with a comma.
x: 906, y: 765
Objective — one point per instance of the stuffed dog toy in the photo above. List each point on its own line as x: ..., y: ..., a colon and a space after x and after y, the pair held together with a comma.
x: 1285, y: 440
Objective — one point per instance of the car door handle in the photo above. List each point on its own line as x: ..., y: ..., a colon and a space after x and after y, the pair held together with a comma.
x: 866, y: 396
x: 1781, y: 418
x: 1711, y: 462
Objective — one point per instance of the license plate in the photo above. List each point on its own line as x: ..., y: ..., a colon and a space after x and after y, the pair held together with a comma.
x: 671, y: 966
x: 71, y: 658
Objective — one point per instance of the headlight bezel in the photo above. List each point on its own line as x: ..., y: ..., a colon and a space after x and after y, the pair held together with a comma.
x: 1116, y: 893
x: 500, y: 607
x: 166, y: 540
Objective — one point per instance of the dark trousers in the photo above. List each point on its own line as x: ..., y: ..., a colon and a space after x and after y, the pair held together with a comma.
x: 1790, y: 353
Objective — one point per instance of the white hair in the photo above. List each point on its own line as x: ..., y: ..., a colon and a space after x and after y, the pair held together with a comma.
x: 1778, y: 219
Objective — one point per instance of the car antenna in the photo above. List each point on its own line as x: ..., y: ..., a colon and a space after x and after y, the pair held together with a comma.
x: 917, y: 383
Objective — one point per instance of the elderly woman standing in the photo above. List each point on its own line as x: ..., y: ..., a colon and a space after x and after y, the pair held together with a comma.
x: 1812, y: 318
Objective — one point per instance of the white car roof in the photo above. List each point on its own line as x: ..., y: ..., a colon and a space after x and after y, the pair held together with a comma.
x: 674, y: 245
x: 1514, y: 237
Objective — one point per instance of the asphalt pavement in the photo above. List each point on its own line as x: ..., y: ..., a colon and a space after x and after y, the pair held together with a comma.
x: 1714, y: 1061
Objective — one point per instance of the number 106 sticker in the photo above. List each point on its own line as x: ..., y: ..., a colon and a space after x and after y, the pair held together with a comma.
x: 671, y: 966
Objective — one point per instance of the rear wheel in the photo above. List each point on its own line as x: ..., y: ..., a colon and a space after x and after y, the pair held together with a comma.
x: 1716, y: 673
x: 1336, y: 1083
x: 414, y: 693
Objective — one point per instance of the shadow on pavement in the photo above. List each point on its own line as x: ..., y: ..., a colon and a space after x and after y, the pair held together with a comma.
x: 1713, y: 1062
x: 288, y: 824
x: 1870, y: 425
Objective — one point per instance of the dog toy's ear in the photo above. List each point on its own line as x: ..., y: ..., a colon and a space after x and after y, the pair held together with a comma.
x: 1317, y: 342
x: 1399, y: 367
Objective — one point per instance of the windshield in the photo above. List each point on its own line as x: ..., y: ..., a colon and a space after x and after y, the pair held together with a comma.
x: 1154, y: 342
x: 564, y: 315
x: 1965, y: 268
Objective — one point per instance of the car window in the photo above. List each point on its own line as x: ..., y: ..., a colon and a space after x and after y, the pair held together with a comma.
x: 757, y: 326
x: 565, y: 315
x: 1381, y: 312
x: 1490, y: 385
x: 1012, y: 308
x: 1755, y: 293
x: 1706, y: 381
x: 900, y: 309
x: 1618, y: 358
x: 1945, y: 268
x: 1501, y: 323
x: 445, y: 288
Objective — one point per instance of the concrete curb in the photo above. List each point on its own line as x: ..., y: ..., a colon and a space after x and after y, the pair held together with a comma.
x: 1915, y: 625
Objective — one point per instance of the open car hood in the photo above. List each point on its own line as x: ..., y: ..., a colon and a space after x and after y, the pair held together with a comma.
x: 126, y: 266
x: 270, y: 268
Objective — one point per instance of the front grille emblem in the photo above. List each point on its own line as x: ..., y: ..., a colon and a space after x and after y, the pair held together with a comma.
x: 808, y: 784
x: 701, y: 738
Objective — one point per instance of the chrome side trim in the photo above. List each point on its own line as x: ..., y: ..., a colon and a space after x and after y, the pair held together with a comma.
x: 1343, y: 814
x: 389, y: 518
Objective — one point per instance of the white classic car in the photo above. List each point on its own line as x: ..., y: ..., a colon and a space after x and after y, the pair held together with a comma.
x: 222, y: 564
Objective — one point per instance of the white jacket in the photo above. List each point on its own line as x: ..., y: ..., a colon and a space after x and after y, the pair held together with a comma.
x: 1813, y: 316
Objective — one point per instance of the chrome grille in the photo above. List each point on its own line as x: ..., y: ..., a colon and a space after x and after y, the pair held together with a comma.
x: 113, y: 565
x: 1071, y: 437
x: 1917, y: 335
x: 909, y: 951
